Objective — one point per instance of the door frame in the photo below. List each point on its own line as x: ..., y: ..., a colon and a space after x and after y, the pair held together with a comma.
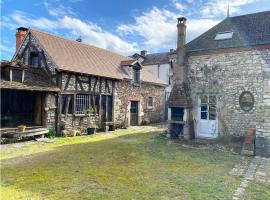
x: 198, y: 131
x: 136, y: 113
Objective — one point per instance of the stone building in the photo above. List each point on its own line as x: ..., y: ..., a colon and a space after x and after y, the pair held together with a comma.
x: 222, y: 81
x: 160, y: 65
x: 113, y: 89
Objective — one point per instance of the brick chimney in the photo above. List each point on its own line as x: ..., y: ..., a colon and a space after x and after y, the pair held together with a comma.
x: 180, y: 71
x: 21, y: 31
x: 143, y: 53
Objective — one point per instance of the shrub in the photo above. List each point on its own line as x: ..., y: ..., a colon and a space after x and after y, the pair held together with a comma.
x: 51, y: 133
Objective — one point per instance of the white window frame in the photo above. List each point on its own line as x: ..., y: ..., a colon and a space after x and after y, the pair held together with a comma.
x: 150, y: 106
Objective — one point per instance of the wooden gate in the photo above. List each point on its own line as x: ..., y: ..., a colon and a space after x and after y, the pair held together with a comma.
x: 134, y: 113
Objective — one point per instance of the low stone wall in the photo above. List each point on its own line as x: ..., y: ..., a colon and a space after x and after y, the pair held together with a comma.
x: 77, y: 122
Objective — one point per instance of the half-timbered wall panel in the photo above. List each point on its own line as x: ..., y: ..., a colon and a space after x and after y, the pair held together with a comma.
x: 86, y: 84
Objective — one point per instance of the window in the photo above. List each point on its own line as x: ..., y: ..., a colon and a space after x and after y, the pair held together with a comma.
x: 150, y: 102
x: 82, y: 103
x: 17, y: 75
x: 136, y: 75
x: 34, y: 59
x: 67, y: 104
x: 224, y: 35
x: 246, y: 101
x: 208, y: 107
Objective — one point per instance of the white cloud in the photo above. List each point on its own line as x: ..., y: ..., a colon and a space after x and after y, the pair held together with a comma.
x: 4, y: 48
x: 93, y: 34
x: 90, y: 32
x: 158, y: 28
x: 216, y: 8
x: 56, y: 9
x: 21, y: 19
x: 179, y: 6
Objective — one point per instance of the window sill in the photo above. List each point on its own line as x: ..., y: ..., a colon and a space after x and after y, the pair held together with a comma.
x: 149, y: 109
x: 84, y: 115
x: 69, y: 115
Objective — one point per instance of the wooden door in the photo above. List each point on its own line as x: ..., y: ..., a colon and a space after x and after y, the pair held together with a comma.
x: 134, y: 108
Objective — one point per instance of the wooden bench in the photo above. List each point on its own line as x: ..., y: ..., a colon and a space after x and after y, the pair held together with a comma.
x: 33, y: 132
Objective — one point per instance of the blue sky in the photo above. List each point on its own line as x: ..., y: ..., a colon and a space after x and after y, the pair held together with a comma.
x: 118, y: 25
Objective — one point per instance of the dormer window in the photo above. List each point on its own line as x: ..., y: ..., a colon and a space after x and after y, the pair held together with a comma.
x: 34, y: 59
x: 224, y: 35
x: 136, y: 75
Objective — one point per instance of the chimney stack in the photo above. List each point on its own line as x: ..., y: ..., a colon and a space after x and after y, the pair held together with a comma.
x: 143, y: 53
x: 180, y: 71
x: 21, y: 32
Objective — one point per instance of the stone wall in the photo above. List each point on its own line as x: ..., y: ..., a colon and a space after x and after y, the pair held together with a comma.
x: 77, y: 122
x: 227, y: 75
x: 125, y: 92
x: 263, y: 114
x: 50, y: 111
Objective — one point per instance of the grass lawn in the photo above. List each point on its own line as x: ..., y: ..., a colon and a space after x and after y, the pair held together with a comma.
x: 137, y: 163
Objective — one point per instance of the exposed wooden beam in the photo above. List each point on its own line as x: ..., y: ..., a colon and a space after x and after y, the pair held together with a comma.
x: 80, y: 83
x: 67, y: 83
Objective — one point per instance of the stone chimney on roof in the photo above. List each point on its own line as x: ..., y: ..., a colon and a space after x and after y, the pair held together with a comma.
x: 180, y: 71
x: 21, y: 32
x: 143, y: 53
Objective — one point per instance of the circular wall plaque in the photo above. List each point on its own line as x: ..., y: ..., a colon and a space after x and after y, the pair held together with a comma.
x: 246, y: 101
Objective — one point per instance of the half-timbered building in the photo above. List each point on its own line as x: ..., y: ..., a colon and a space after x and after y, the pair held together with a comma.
x: 116, y: 88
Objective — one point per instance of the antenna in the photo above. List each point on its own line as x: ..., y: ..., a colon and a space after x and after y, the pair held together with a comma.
x: 79, y: 39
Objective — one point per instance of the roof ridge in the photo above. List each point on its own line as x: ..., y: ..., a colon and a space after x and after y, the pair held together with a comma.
x: 80, y: 43
x: 251, y: 14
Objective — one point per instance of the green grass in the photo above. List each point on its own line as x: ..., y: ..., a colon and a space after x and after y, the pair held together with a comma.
x: 125, y: 164
x: 258, y: 191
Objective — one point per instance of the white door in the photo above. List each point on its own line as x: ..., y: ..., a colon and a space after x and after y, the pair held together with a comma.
x: 207, y: 117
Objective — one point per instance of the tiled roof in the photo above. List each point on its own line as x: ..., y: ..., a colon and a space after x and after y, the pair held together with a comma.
x: 78, y: 57
x: 35, y: 79
x: 156, y: 58
x: 248, y: 30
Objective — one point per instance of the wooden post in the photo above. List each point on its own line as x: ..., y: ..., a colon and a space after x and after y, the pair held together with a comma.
x: 100, y: 96
x: 113, y: 100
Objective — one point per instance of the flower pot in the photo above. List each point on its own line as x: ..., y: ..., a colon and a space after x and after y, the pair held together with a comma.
x: 91, y: 131
x: 21, y: 128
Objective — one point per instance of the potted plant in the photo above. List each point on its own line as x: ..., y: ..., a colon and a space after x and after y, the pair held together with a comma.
x: 91, y: 126
x: 91, y: 129
x: 21, y: 128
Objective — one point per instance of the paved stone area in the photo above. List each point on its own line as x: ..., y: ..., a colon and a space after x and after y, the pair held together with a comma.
x: 258, y: 170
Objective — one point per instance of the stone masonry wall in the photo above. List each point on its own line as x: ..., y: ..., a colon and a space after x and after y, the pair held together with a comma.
x: 263, y: 114
x: 126, y: 92
x: 227, y: 75
x: 50, y: 111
